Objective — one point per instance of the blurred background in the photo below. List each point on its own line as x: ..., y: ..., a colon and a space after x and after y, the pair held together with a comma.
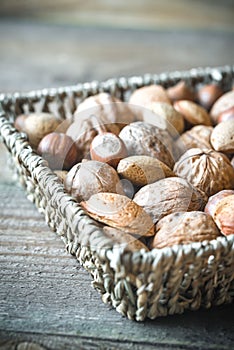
x: 48, y: 43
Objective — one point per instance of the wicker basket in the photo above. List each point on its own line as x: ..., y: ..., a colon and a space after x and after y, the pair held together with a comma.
x: 140, y: 284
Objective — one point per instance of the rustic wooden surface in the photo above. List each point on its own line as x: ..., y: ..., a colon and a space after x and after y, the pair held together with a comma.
x: 46, y: 298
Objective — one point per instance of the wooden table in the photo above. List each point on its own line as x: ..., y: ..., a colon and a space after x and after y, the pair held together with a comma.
x: 46, y: 298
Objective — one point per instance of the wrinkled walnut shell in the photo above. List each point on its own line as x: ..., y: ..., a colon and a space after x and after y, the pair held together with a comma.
x: 184, y: 228
x: 169, y: 195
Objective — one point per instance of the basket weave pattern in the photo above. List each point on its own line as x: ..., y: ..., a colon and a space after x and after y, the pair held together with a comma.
x: 140, y: 284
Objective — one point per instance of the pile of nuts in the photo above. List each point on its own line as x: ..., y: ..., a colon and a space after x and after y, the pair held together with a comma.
x: 153, y: 172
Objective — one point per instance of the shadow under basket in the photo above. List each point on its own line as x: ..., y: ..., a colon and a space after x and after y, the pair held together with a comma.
x: 138, y: 284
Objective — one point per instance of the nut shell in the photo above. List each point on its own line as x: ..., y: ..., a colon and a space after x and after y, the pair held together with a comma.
x: 37, y: 125
x: 192, y: 112
x: 208, y: 94
x: 143, y: 170
x: 222, y: 137
x: 91, y: 177
x: 223, y: 103
x: 181, y: 91
x: 120, y: 212
x: 208, y: 170
x: 215, y: 199
x: 184, y: 228
x: 144, y: 96
x: 141, y: 138
x: 224, y: 215
x: 169, y: 195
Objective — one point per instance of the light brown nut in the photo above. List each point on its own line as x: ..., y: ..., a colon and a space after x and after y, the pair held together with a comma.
x: 226, y: 115
x: 208, y: 94
x: 222, y: 137
x: 108, y: 148
x: 181, y: 91
x: 184, y: 228
x: 90, y: 177
x: 169, y: 195
x: 144, y: 96
x: 109, y: 110
x: 120, y: 212
x: 19, y: 122
x: 215, y: 199
x: 208, y: 170
x: 37, y: 125
x: 224, y: 215
x: 232, y: 162
x: 124, y: 240
x: 197, y: 137
x: 59, y: 150
x: 141, y: 138
x: 63, y: 126
x: 165, y: 115
x: 223, y: 103
x: 143, y: 170
x: 192, y: 112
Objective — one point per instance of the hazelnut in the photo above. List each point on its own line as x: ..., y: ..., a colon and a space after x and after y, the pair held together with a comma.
x: 142, y: 138
x: 223, y: 103
x: 169, y: 195
x: 108, y: 148
x: 59, y: 150
x: 224, y: 215
x: 144, y: 96
x: 192, y: 112
x: 90, y: 177
x: 37, y: 125
x: 184, y: 228
x: 208, y: 170
x: 208, y: 94
x: 181, y: 91
x: 215, y: 199
x: 222, y: 137
x: 120, y: 212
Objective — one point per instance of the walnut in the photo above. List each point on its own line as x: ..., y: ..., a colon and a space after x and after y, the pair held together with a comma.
x: 90, y: 177
x: 141, y: 138
x: 184, y: 228
x: 197, y: 137
x: 208, y: 170
x: 120, y: 212
x: 169, y: 195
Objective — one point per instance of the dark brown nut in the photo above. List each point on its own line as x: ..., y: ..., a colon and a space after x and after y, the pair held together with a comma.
x: 184, y: 228
x: 108, y: 148
x: 19, y: 123
x: 83, y: 132
x: 222, y: 137
x: 223, y: 103
x: 37, y: 125
x: 196, y: 137
x: 91, y: 177
x: 208, y: 170
x: 215, y: 199
x: 169, y: 195
x: 141, y: 138
x: 124, y: 240
x: 143, y: 170
x: 192, y: 112
x: 144, y: 96
x: 226, y: 115
x: 164, y: 116
x: 109, y: 110
x: 181, y: 91
x: 224, y: 215
x: 61, y: 175
x: 120, y: 212
x: 59, y: 150
x: 208, y: 94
